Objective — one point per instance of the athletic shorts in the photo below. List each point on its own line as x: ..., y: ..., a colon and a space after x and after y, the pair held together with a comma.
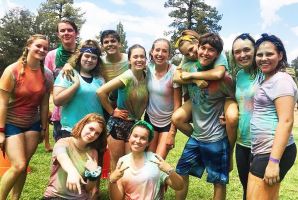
x: 11, y: 130
x: 260, y: 161
x: 156, y: 128
x: 212, y: 156
x: 119, y: 128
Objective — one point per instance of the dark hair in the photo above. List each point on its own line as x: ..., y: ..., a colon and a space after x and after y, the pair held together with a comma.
x: 159, y: 40
x: 283, y: 63
x: 67, y: 21
x: 145, y: 125
x: 75, y: 59
x: 111, y: 33
x: 234, y: 68
x: 212, y: 39
x: 135, y: 46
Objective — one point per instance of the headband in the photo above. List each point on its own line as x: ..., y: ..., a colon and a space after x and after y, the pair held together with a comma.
x: 273, y: 39
x: 189, y: 38
x: 146, y: 125
x: 89, y: 50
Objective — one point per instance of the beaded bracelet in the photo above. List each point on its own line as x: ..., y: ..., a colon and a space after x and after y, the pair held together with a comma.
x: 93, y: 175
x: 274, y: 160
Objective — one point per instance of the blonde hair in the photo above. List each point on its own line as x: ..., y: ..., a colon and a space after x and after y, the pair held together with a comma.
x: 187, y: 35
x: 24, y: 56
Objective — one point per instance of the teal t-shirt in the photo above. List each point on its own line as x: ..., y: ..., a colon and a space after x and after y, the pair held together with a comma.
x: 83, y: 102
x: 246, y: 87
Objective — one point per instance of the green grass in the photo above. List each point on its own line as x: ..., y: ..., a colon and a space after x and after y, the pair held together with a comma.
x: 198, y: 189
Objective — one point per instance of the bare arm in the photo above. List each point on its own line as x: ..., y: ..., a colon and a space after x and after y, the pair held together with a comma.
x: 115, y: 185
x: 62, y: 95
x: 212, y: 74
x: 104, y: 91
x: 285, y: 112
x: 44, y: 112
x: 92, y: 165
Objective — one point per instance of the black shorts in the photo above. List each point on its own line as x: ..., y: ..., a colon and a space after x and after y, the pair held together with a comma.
x: 259, y: 162
x: 156, y: 128
x: 119, y: 128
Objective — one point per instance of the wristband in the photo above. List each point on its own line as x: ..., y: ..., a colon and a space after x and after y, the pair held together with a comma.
x: 2, y: 129
x: 93, y: 175
x: 170, y: 171
x: 274, y: 160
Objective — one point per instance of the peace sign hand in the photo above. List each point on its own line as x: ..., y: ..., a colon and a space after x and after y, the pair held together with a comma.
x: 118, y: 173
x: 162, y: 164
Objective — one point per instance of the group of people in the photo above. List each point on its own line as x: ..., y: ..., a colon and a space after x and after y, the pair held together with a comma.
x: 134, y: 107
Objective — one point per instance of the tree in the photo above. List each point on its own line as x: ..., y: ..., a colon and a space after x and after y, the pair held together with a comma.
x: 15, y: 28
x: 194, y: 15
x: 122, y: 34
x: 294, y: 64
x: 51, y: 12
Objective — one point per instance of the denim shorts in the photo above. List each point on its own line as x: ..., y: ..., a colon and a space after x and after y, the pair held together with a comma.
x: 212, y: 156
x: 119, y: 128
x: 11, y: 129
x: 156, y: 128
x: 259, y: 162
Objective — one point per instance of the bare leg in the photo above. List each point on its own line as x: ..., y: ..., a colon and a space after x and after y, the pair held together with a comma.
x: 47, y: 144
x: 181, y: 118
x: 31, y: 143
x: 258, y: 189
x: 154, y: 142
x: 231, y: 115
x: 117, y: 149
x: 219, y: 192
x: 18, y: 161
x: 181, y: 194
x: 162, y: 149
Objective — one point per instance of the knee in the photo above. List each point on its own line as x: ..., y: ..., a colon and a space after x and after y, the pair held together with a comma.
x: 19, y: 167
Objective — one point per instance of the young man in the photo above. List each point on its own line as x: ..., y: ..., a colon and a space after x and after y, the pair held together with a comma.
x: 67, y: 32
x: 208, y: 146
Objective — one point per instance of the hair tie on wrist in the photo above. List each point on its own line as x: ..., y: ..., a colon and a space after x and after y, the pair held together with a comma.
x: 274, y: 160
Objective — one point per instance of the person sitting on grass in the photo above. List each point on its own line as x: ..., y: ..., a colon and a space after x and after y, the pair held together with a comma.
x: 75, y: 169
x: 140, y: 174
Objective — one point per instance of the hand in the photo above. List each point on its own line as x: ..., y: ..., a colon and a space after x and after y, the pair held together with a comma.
x: 186, y: 75
x: 170, y: 143
x: 118, y: 173
x: 75, y: 79
x: 271, y: 175
x: 73, y: 182
x: 2, y: 141
x: 67, y: 71
x: 222, y: 120
x: 201, y: 83
x: 123, y: 114
x: 177, y: 77
x: 162, y: 164
x: 91, y: 163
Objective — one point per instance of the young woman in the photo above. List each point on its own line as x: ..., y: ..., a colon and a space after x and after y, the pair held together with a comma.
x: 75, y: 167
x: 164, y: 98
x: 78, y: 95
x: 273, y: 147
x: 24, y: 102
x: 141, y: 174
x: 247, y: 81
x: 131, y: 102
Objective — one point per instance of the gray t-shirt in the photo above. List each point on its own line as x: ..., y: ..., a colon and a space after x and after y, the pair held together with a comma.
x: 264, y: 118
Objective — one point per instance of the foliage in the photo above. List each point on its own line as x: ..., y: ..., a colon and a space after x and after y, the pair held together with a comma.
x: 15, y: 28
x: 192, y: 14
x: 51, y: 12
x: 294, y: 64
x: 122, y: 34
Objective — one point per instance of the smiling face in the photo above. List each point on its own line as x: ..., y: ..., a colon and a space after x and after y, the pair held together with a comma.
x: 139, y: 139
x: 243, y: 51
x: 160, y: 53
x: 38, y: 49
x: 189, y: 50
x: 111, y: 45
x: 67, y: 34
x: 207, y: 54
x: 88, y: 62
x: 91, y: 132
x: 267, y: 57
x: 137, y: 59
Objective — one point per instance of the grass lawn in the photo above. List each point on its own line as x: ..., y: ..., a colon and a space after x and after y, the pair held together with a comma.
x: 198, y: 189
